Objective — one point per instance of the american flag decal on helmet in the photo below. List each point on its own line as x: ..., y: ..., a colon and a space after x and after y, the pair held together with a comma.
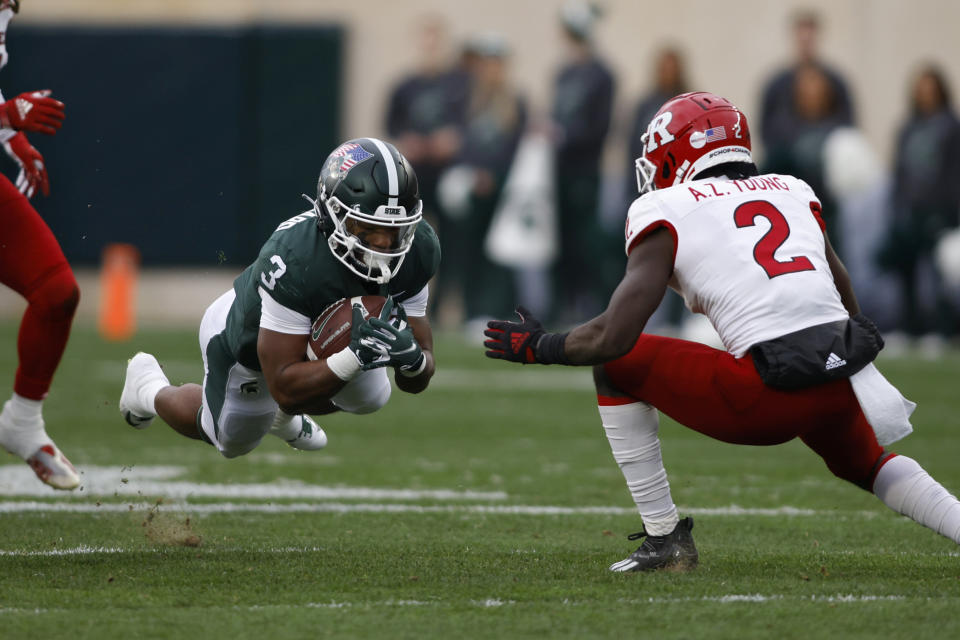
x: 716, y: 133
x: 352, y: 154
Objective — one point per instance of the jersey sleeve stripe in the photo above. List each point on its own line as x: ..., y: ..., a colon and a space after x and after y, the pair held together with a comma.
x: 817, y: 212
x: 650, y: 228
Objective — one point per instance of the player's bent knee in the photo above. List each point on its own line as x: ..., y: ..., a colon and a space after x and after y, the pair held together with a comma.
x: 240, y: 434
x: 367, y: 393
x: 364, y: 399
x: 603, y: 384
x: 859, y: 475
x: 235, y: 451
x: 58, y: 295
x: 374, y: 401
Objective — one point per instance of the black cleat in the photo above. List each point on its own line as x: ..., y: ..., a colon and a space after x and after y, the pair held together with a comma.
x: 674, y: 551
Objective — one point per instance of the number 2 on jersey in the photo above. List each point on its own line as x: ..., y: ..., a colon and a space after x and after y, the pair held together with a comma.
x: 766, y: 248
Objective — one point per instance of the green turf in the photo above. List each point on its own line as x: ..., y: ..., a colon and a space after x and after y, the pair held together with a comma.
x: 854, y: 570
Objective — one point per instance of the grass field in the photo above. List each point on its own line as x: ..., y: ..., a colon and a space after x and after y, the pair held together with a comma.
x: 489, y: 506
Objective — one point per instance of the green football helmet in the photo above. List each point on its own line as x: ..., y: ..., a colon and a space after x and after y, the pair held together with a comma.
x: 368, y: 206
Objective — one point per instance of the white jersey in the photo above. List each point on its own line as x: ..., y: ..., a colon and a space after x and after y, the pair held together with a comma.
x: 5, y: 16
x: 750, y: 254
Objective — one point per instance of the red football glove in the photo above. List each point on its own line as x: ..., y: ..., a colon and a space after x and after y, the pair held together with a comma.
x: 33, y: 173
x: 33, y: 111
x: 514, y: 341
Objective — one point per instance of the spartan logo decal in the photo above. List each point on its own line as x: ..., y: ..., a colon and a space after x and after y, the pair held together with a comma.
x: 658, y: 127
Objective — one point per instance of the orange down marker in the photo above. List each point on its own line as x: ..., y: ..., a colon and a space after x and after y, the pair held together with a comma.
x: 118, y: 284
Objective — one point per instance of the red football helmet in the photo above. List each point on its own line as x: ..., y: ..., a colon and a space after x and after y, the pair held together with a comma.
x: 691, y: 132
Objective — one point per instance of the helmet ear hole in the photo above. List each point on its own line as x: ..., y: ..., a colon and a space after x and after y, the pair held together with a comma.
x: 667, y: 169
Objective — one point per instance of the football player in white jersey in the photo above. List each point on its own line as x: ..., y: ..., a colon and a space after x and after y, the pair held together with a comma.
x: 750, y: 252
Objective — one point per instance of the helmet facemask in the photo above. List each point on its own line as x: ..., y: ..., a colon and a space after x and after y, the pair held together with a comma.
x: 350, y: 241
x: 646, y: 170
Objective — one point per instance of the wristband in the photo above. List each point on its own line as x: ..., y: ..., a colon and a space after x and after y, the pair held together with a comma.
x: 549, y: 349
x: 413, y: 373
x: 344, y: 364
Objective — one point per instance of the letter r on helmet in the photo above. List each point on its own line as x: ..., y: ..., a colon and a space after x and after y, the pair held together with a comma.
x: 658, y: 127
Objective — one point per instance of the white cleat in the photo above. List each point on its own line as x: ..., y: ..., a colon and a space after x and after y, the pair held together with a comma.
x: 53, y: 468
x: 136, y: 404
x: 29, y: 441
x: 300, y: 432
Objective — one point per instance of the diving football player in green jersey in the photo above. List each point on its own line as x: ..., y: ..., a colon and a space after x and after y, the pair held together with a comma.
x: 363, y: 236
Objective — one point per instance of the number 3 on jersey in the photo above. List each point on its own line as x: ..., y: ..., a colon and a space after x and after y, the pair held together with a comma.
x: 269, y: 279
x: 766, y: 248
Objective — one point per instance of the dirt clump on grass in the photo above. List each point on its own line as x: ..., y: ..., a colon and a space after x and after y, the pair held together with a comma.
x: 168, y: 529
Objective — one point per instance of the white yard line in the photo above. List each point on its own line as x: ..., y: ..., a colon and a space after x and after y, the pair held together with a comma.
x: 493, y: 602
x: 158, y: 481
x: 26, y: 506
x: 75, y: 551
x: 760, y: 598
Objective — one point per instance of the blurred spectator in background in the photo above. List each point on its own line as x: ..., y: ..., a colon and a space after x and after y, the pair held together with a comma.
x: 669, y: 80
x: 925, y: 202
x: 470, y: 191
x: 779, y: 117
x: 816, y: 114
x: 583, y: 101
x: 425, y: 114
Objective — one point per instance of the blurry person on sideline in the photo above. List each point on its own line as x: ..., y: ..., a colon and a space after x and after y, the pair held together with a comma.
x: 581, y: 113
x: 925, y: 202
x: 425, y: 112
x: 817, y: 114
x: 495, y: 120
x: 779, y: 116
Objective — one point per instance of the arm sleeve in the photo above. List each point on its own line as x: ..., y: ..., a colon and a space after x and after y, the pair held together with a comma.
x: 416, y: 305
x: 644, y: 217
x: 276, y: 317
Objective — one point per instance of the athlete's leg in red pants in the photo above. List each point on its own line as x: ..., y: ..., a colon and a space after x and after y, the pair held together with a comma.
x: 32, y: 264
x: 723, y: 397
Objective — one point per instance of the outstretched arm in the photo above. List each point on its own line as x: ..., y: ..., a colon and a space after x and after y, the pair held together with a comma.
x: 614, y: 332
x: 606, y: 337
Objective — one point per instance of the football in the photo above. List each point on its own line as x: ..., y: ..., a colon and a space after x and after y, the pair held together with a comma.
x: 331, y: 330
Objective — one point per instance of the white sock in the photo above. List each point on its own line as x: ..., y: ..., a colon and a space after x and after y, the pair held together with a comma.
x: 632, y: 433
x: 24, y: 409
x: 905, y: 487
x: 23, y: 429
x: 147, y: 393
x: 286, y: 426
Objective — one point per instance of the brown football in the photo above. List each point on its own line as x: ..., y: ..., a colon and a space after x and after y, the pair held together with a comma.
x: 331, y: 330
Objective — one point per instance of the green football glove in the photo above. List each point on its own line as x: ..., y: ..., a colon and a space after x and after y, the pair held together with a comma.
x: 403, y: 352
x: 370, y: 352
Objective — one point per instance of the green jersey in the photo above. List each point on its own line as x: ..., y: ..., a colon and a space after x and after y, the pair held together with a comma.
x: 299, y: 271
